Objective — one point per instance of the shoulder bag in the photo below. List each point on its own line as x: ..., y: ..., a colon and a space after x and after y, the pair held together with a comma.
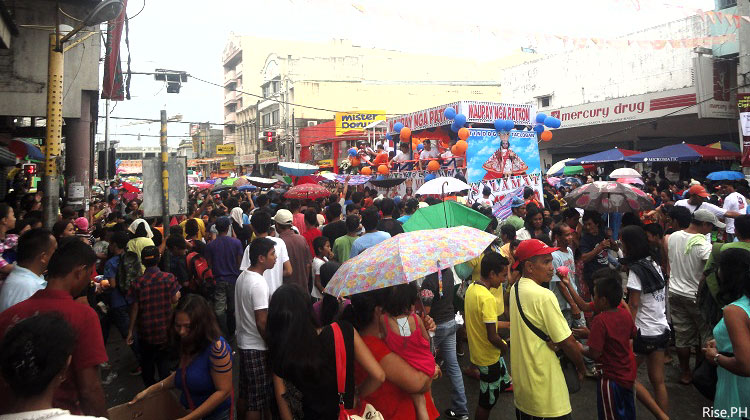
x: 568, y: 368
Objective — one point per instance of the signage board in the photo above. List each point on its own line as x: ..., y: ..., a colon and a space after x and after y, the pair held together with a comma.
x: 227, y: 164
x: 356, y: 121
x: 475, y: 111
x: 152, y: 186
x: 225, y: 149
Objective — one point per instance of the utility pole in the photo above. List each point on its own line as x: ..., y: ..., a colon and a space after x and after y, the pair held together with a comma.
x: 51, y: 198
x: 106, y: 147
x: 164, y: 181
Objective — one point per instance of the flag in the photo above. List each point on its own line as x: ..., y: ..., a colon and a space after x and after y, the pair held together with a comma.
x: 112, y: 84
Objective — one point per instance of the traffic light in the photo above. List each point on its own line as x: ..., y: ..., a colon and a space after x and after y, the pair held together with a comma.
x: 29, y: 169
x: 269, y: 136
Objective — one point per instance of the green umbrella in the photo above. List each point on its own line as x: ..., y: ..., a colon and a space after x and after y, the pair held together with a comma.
x: 229, y: 181
x: 573, y: 170
x: 446, y: 214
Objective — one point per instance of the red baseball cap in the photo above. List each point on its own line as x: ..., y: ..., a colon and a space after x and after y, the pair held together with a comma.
x: 531, y: 248
x: 698, y: 190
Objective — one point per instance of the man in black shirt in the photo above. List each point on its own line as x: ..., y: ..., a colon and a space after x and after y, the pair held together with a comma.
x: 336, y: 227
x: 387, y: 223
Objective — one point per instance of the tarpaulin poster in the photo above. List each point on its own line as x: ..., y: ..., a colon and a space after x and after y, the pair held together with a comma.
x: 503, y: 161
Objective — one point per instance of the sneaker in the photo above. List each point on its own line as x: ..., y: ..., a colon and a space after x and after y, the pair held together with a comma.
x: 452, y: 415
x: 136, y: 371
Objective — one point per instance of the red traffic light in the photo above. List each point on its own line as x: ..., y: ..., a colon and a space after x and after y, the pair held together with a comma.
x: 269, y: 136
x: 29, y: 169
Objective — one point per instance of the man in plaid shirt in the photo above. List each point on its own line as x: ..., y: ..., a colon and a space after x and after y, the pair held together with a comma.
x: 153, y: 295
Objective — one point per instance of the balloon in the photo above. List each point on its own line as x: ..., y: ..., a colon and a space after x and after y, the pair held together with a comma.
x: 366, y: 171
x: 405, y: 133
x: 540, y: 118
x: 429, y: 177
x: 454, y: 150
x: 433, y: 165
x: 379, y: 178
x: 354, y: 161
x: 509, y: 125
x: 557, y: 123
x: 387, y: 136
x: 450, y: 113
x: 352, y: 152
x: 538, y: 128
x: 546, y: 135
x: 499, y: 125
x: 382, y: 169
x: 460, y: 119
x: 461, y: 146
x: 463, y: 133
x: 397, y: 127
x: 420, y: 147
x: 549, y: 122
x: 455, y: 127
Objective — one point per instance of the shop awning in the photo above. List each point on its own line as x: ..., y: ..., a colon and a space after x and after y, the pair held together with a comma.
x: 607, y: 156
x: 683, y: 153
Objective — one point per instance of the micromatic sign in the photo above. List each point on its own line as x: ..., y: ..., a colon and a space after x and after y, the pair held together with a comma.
x: 348, y: 122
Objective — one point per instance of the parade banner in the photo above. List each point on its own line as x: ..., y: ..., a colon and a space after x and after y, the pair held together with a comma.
x: 475, y: 112
x: 503, y: 161
x: 414, y: 180
x: 356, y: 121
x: 743, y: 103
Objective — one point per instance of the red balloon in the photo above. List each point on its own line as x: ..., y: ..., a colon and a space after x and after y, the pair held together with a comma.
x: 463, y: 133
x: 546, y: 135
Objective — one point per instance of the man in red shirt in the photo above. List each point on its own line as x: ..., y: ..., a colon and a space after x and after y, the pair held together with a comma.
x: 68, y: 275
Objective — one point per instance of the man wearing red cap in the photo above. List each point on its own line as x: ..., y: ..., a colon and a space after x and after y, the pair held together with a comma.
x: 697, y: 196
x: 539, y: 389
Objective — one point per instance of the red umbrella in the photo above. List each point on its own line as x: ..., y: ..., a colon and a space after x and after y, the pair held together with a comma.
x: 307, y: 192
x: 130, y: 187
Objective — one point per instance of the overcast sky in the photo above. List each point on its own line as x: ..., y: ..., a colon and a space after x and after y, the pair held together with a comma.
x: 190, y: 35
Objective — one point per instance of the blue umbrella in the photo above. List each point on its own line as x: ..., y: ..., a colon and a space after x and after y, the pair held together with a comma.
x: 246, y: 187
x: 611, y: 155
x: 725, y: 176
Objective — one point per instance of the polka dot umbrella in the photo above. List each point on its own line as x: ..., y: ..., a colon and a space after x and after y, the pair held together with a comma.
x: 609, y: 197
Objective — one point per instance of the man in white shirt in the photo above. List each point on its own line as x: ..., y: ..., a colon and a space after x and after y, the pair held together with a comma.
x: 697, y: 196
x: 734, y: 202
x: 35, y: 248
x: 251, y: 300
x: 402, y: 155
x: 688, y: 251
x: 261, y: 224
x: 427, y: 154
x: 485, y: 200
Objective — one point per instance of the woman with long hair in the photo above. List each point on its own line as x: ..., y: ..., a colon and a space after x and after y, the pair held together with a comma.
x: 204, y: 375
x: 730, y: 350
x: 534, y: 225
x: 304, y: 355
x: 647, y: 302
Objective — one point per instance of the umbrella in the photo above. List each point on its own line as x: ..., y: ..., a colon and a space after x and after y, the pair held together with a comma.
x: 557, y: 168
x: 625, y: 173
x: 309, y: 179
x: 246, y: 187
x: 446, y: 214
x: 229, y: 181
x: 202, y: 185
x: 630, y: 181
x: 607, y: 156
x: 262, y: 182
x: 283, y: 178
x: 725, y: 145
x: 220, y: 187
x: 387, y: 182
x: 239, y: 182
x: 23, y: 149
x: 442, y: 185
x: 683, y: 152
x: 574, y: 170
x: 297, y: 169
x: 609, y: 197
x: 307, y: 192
x: 726, y: 176
x: 130, y: 187
x: 407, y: 257
x: 211, y: 181
x: 553, y: 180
x: 353, y: 179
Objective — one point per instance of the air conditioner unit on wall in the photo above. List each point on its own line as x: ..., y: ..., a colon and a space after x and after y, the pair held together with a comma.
x: 312, y: 123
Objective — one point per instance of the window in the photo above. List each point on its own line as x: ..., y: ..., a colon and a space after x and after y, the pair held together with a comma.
x: 266, y: 120
x: 312, y: 123
x: 724, y: 4
x: 266, y: 92
x: 544, y: 101
x: 275, y: 117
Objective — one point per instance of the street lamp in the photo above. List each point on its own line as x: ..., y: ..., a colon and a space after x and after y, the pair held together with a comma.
x: 104, y: 11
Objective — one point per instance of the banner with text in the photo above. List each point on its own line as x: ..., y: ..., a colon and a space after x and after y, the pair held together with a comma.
x: 475, y: 111
x: 225, y: 149
x: 356, y: 121
x: 504, y: 162
x: 415, y: 179
x: 743, y: 103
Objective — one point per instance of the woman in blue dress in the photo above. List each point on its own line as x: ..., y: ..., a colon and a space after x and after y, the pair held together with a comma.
x: 204, y: 375
x: 730, y: 349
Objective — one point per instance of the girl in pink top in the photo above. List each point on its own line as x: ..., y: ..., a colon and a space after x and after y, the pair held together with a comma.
x: 406, y: 336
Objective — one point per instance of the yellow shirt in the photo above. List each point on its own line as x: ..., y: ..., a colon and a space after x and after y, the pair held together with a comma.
x: 497, y: 293
x: 137, y: 244
x: 480, y: 309
x: 539, y: 387
x: 476, y: 266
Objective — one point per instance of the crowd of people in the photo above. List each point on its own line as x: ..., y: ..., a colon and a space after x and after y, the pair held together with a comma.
x: 236, y: 288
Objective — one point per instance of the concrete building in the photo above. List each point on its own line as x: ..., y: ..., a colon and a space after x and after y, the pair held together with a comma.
x: 205, y: 139
x: 335, y: 76
x: 633, y: 97
x: 25, y: 27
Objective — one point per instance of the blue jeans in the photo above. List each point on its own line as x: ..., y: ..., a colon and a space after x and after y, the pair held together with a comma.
x: 445, y: 343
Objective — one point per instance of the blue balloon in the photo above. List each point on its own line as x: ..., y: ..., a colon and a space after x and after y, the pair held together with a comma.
x: 558, y: 123
x: 549, y: 122
x: 420, y: 147
x: 397, y: 127
x: 429, y: 177
x: 460, y: 120
x: 539, y: 128
x: 540, y: 118
x: 388, y: 136
x: 455, y: 127
x: 380, y: 178
x: 499, y: 125
x: 509, y: 125
x: 450, y: 113
x: 352, y: 152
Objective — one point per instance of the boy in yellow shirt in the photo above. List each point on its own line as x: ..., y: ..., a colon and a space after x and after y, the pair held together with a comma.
x: 485, y: 345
